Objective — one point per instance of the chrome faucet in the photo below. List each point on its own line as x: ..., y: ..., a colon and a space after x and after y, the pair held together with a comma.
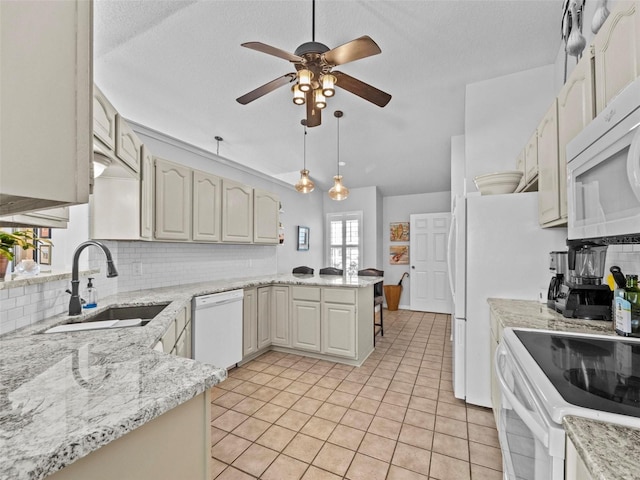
x: 75, y: 308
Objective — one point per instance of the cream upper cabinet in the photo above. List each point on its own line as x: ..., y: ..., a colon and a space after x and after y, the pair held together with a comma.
x: 46, y: 89
x: 531, y: 159
x: 617, y: 52
x: 575, y: 111
x: 264, y: 317
x: 104, y: 120
x: 147, y: 194
x: 521, y: 167
x: 128, y: 145
x: 280, y: 318
x: 52, y: 218
x: 206, y: 207
x: 249, y: 322
x: 173, y: 201
x: 237, y: 212
x: 548, y: 186
x: 266, y: 207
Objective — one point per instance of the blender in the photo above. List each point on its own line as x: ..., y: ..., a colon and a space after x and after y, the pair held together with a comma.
x: 583, y: 295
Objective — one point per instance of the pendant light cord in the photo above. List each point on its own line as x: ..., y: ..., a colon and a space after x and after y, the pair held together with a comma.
x: 313, y: 20
x: 304, y: 148
x: 338, y: 145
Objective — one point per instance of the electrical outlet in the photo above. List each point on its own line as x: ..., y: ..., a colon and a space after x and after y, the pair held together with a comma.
x: 136, y: 268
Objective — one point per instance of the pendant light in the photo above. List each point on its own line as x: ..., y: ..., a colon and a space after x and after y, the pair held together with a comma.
x: 305, y: 184
x: 338, y: 192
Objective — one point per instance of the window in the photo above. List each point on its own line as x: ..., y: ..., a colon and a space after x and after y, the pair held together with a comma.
x: 345, y: 241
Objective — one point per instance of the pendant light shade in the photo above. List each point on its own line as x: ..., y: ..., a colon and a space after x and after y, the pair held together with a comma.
x: 305, y: 184
x: 298, y: 95
x: 304, y: 79
x: 338, y: 192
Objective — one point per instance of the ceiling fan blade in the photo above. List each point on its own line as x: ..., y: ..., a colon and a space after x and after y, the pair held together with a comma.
x: 361, y: 89
x: 266, y: 88
x: 276, y: 52
x: 314, y: 115
x: 354, y: 50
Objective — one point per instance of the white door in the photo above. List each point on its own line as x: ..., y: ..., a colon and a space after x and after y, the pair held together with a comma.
x: 428, y: 234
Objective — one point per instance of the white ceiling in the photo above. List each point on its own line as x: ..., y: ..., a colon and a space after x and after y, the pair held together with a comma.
x: 177, y: 67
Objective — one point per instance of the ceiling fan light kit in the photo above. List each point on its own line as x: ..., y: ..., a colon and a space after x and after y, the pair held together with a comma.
x: 315, y: 80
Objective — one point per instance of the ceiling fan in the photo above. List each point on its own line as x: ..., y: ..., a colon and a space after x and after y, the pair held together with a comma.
x: 314, y: 76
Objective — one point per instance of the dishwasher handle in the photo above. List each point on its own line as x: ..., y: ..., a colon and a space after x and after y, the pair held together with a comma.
x: 218, y: 299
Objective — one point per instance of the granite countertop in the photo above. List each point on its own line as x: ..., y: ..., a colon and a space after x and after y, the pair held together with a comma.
x: 64, y: 395
x: 608, y: 450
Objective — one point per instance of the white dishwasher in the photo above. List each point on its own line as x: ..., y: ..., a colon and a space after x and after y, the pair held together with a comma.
x: 217, y: 328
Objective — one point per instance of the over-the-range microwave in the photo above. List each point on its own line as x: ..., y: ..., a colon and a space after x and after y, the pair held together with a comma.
x: 603, y: 172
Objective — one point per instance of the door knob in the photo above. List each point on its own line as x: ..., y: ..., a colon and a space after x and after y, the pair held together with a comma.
x: 413, y: 267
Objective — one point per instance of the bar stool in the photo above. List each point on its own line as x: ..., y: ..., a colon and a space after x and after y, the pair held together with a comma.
x: 378, y: 298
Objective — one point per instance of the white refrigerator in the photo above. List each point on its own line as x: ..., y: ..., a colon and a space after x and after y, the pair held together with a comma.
x: 496, y: 249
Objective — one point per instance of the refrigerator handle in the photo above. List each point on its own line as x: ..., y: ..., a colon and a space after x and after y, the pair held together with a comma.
x: 450, y: 244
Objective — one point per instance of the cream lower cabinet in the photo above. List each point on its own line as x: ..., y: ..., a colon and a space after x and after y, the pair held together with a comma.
x: 617, y: 52
x: 172, y: 201
x: 264, y: 317
x: 548, y: 176
x: 339, y: 330
x: 250, y: 322
x: 266, y: 217
x: 176, y: 340
x: 206, y: 207
x: 237, y: 212
x: 46, y: 89
x: 177, y: 444
x: 574, y: 466
x: 280, y: 318
x: 305, y: 318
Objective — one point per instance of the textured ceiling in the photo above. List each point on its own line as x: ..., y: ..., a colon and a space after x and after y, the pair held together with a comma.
x: 177, y: 67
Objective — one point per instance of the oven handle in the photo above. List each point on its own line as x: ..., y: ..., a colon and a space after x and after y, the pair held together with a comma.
x: 519, y: 408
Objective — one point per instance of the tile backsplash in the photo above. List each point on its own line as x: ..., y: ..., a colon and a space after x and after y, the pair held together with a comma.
x: 627, y: 257
x: 140, y: 265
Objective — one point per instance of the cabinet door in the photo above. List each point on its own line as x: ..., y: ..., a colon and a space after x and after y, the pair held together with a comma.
x: 45, y: 105
x: 237, y: 212
x: 548, y: 184
x: 104, y: 120
x: 206, y: 207
x: 305, y: 325
x: 173, y: 201
x: 617, y: 52
x: 147, y: 185
x: 52, y: 218
x: 531, y: 159
x: 520, y: 165
x: 339, y: 329
x: 266, y: 207
x: 280, y: 319
x: 169, y: 338
x: 128, y: 145
x: 264, y: 317
x: 249, y: 322
x: 575, y: 111
x: 189, y: 333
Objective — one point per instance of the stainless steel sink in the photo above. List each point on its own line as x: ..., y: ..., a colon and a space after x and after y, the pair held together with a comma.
x: 113, y: 317
x: 144, y: 312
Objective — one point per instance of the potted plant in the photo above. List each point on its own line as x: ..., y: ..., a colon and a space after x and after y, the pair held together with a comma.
x: 25, y: 239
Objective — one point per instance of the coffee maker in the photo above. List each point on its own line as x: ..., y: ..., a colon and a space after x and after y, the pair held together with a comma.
x: 582, y: 295
x: 558, y: 268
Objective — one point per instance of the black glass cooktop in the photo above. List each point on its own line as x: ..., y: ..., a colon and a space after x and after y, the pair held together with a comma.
x: 589, y: 372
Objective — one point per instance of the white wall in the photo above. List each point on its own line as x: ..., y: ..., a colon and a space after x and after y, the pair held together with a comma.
x: 398, y: 209
x: 458, y: 179
x: 368, y: 201
x: 501, y: 114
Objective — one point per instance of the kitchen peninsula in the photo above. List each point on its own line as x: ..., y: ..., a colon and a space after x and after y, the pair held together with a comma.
x: 66, y: 398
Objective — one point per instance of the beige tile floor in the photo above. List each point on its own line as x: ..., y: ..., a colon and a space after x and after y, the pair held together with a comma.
x: 283, y: 416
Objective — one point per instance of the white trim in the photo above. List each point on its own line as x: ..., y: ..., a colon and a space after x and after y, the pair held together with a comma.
x: 342, y: 216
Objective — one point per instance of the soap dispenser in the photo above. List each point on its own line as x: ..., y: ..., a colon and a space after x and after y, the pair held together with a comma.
x: 91, y: 296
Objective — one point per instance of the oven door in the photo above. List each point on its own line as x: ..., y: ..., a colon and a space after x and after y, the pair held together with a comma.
x: 604, y: 184
x: 532, y: 444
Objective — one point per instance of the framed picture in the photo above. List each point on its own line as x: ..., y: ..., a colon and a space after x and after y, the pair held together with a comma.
x: 45, y: 254
x: 44, y: 233
x: 399, y: 231
x: 303, y: 238
x: 399, y: 255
